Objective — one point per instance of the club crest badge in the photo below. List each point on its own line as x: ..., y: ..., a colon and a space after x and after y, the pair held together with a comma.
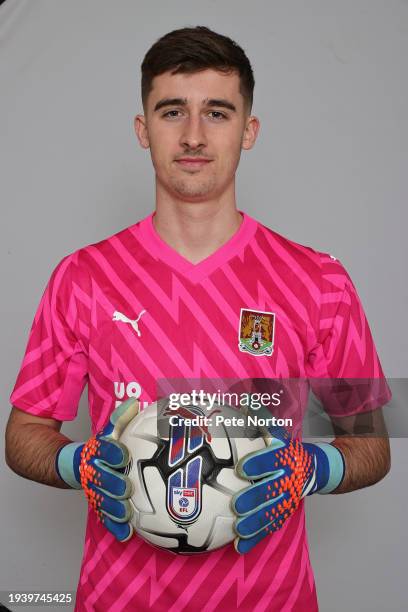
x: 256, y: 332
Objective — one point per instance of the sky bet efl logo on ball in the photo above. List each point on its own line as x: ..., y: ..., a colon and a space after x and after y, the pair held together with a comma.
x: 183, y: 502
x: 256, y: 332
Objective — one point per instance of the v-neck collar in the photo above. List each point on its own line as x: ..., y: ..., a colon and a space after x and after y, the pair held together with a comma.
x: 196, y: 272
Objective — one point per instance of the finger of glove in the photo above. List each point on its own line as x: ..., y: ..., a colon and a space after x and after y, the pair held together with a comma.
x: 118, y: 510
x: 242, y: 546
x: 260, y: 463
x: 122, y: 531
x: 120, y: 417
x: 266, y: 514
x: 256, y: 495
x: 110, y: 481
x: 113, y: 453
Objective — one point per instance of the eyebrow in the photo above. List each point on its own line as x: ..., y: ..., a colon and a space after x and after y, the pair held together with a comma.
x: 211, y: 102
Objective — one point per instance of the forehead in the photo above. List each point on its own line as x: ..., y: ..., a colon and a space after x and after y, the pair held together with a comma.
x: 196, y: 87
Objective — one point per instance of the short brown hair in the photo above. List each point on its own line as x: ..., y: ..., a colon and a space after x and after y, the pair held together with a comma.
x: 190, y: 50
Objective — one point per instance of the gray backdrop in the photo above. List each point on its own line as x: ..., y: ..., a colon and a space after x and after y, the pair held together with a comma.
x: 327, y: 170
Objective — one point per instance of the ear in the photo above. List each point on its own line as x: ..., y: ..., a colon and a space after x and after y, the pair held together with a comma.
x: 250, y: 132
x: 141, y: 131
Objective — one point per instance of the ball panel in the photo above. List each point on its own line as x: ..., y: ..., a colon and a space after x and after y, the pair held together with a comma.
x: 222, y: 532
x: 162, y: 541
x: 221, y: 446
x: 156, y: 489
x: 230, y: 482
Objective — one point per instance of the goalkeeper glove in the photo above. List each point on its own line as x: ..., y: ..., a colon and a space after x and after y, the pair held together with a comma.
x: 284, y: 472
x: 97, y: 465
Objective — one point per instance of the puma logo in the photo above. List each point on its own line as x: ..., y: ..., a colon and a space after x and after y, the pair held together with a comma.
x: 119, y: 316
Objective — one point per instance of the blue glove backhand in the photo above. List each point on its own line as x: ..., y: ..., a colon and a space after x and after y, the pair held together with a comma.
x: 284, y: 472
x: 97, y: 465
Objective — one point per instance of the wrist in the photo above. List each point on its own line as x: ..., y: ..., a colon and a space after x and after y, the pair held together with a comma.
x: 67, y: 461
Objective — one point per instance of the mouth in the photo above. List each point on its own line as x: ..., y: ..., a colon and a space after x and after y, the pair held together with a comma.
x: 193, y: 163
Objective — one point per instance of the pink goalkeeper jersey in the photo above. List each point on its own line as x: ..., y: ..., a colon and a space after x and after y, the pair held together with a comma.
x: 125, y: 312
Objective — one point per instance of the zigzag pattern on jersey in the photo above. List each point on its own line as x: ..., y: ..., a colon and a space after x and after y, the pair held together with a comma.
x: 189, y: 330
x: 171, y: 304
x: 154, y: 577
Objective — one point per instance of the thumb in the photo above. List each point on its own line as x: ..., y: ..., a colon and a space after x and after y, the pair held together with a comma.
x: 274, y: 432
x: 120, y: 417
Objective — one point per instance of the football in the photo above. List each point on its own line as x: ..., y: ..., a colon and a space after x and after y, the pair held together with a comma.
x: 184, y: 475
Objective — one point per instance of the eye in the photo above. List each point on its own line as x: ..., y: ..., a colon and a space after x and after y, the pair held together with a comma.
x: 168, y: 113
x: 173, y: 114
x: 219, y: 115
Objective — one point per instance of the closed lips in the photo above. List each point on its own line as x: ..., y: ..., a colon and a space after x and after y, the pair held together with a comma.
x: 193, y: 160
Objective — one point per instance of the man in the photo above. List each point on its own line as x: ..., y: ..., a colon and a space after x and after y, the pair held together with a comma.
x: 166, y: 298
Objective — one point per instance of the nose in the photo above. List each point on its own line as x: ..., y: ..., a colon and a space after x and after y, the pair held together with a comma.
x: 193, y: 134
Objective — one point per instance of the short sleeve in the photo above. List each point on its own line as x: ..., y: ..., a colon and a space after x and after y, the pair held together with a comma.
x: 53, y: 373
x: 343, y: 366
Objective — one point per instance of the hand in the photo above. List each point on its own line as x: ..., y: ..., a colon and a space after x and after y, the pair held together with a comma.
x: 97, y: 465
x: 284, y: 472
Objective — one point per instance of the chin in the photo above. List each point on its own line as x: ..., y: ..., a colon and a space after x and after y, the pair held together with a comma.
x: 193, y: 191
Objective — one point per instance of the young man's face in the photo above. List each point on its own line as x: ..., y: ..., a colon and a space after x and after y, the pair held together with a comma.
x: 196, y: 127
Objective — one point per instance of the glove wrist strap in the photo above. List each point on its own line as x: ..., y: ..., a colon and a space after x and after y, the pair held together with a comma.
x: 336, y: 467
x: 67, y: 463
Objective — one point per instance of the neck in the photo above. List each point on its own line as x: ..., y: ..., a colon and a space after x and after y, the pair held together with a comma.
x: 196, y: 229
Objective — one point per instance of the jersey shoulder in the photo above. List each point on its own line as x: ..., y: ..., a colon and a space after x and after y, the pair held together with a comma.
x: 107, y: 250
x: 96, y: 261
x: 317, y: 264
x: 125, y: 238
